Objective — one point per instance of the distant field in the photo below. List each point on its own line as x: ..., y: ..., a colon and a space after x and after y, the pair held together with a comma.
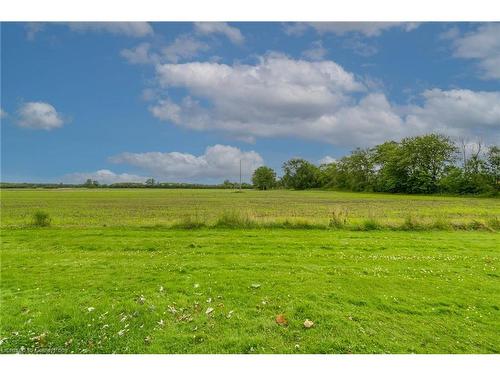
x: 139, y: 207
x: 111, y: 274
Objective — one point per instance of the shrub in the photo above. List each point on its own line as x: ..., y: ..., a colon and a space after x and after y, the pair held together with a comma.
x: 441, y: 224
x: 370, y: 224
x: 190, y: 222
x: 41, y: 219
x: 338, y: 218
x: 411, y: 223
x: 494, y: 223
x: 234, y: 219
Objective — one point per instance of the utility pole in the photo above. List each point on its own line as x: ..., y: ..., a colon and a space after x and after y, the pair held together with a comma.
x: 240, y: 174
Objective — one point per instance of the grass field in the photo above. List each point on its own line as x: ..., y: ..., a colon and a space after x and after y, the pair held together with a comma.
x: 107, y: 277
x: 139, y: 207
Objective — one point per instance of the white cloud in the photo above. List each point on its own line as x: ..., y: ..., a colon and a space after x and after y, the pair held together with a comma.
x: 369, y: 29
x: 218, y: 162
x: 316, y: 52
x: 458, y: 112
x: 281, y: 97
x: 33, y: 28
x: 232, y: 33
x: 39, y: 115
x: 327, y: 160
x: 103, y: 176
x: 133, y: 29
x: 183, y: 47
x: 140, y: 55
x: 2, y: 113
x: 482, y: 45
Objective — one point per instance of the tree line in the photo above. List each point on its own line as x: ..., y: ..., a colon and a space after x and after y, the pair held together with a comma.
x: 427, y: 164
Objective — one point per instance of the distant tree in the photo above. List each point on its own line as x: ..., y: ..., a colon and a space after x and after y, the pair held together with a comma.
x: 328, y: 175
x: 388, y: 171
x: 91, y: 183
x: 493, y: 166
x: 150, y: 182
x: 299, y: 174
x: 423, y: 161
x: 356, y: 171
x: 264, y: 178
x: 229, y: 185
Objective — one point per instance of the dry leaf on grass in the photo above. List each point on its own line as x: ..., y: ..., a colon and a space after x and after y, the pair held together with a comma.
x: 281, y: 320
x: 308, y: 323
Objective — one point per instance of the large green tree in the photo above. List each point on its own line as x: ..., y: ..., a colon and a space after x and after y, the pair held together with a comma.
x: 264, y: 178
x: 300, y: 174
x: 356, y: 171
x: 422, y: 161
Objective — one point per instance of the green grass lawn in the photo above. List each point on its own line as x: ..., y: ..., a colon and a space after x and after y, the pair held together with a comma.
x: 148, y: 291
x: 105, y: 278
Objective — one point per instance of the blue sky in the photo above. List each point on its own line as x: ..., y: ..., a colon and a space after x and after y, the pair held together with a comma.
x: 185, y: 102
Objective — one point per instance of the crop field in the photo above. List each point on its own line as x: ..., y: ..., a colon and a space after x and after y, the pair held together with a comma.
x: 122, y: 271
x: 158, y: 207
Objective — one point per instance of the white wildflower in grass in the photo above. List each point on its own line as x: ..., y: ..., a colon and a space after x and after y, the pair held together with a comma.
x: 90, y: 309
x: 230, y: 314
x: 161, y: 323
x: 121, y: 332
x: 196, y: 285
x: 141, y: 299
x: 209, y: 311
x: 209, y: 300
x: 161, y: 289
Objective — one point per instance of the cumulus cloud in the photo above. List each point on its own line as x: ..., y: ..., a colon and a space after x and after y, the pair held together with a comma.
x: 39, y: 115
x: 317, y: 100
x: 183, y: 47
x: 133, y: 29
x: 232, y: 33
x: 482, y: 45
x: 458, y: 112
x: 369, y: 29
x: 218, y: 162
x: 141, y: 54
x: 103, y: 176
x: 316, y: 52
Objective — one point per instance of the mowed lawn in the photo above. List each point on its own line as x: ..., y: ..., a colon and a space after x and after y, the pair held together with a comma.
x: 98, y: 282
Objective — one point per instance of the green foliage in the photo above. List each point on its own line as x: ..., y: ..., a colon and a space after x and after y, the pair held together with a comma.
x: 41, y: 219
x: 264, y: 178
x: 417, y: 165
x: 355, y: 172
x: 299, y: 174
